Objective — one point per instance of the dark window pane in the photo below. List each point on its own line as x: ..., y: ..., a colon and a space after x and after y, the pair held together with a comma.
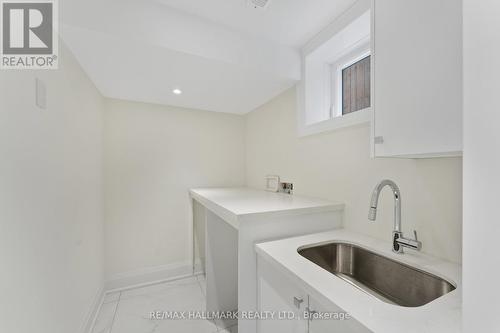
x: 356, y: 86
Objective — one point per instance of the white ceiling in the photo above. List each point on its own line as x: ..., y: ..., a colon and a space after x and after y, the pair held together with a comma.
x: 286, y: 22
x: 224, y: 55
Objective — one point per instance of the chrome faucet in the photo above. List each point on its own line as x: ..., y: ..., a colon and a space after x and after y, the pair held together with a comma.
x: 398, y: 241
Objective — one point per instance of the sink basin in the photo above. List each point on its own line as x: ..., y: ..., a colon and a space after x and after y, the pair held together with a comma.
x: 389, y: 280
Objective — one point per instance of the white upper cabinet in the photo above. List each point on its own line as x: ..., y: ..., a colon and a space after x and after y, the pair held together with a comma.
x: 417, y: 48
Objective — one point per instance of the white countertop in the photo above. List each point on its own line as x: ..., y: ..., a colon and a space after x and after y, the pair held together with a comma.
x: 233, y: 203
x: 441, y: 315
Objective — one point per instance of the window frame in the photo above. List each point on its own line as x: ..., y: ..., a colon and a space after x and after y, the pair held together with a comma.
x: 348, y: 54
x: 336, y: 101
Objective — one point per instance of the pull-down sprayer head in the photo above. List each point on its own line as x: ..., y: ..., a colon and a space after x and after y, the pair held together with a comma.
x: 372, y: 212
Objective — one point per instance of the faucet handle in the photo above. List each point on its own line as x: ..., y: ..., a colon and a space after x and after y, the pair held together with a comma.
x: 415, y: 234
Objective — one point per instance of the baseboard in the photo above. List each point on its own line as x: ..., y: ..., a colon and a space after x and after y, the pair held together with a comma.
x: 199, y: 266
x: 152, y: 275
x: 95, y: 307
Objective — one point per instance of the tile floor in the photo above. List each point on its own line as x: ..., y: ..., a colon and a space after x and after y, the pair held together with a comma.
x: 129, y: 311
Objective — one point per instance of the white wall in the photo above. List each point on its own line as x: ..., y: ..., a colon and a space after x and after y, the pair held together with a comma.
x: 481, y: 272
x: 154, y: 154
x: 336, y: 165
x: 51, y: 231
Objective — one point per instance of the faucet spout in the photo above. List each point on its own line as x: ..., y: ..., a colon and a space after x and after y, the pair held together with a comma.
x: 372, y: 213
x: 398, y: 241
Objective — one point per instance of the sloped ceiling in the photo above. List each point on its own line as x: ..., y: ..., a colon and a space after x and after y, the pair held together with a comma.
x: 223, y: 55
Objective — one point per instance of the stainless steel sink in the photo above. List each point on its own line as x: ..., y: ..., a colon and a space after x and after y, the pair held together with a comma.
x: 384, y: 278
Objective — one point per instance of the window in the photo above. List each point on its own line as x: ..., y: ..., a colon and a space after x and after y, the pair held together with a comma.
x: 356, y: 86
x: 351, y: 82
x: 335, y: 91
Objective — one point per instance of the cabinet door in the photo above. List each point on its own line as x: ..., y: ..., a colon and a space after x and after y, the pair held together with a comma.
x: 417, y: 77
x: 333, y: 324
x: 277, y: 294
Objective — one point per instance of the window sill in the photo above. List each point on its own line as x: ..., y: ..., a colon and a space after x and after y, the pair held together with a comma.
x: 360, y: 117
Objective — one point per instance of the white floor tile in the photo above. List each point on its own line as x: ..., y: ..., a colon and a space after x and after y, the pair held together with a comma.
x: 135, y: 306
x: 232, y: 329
x: 222, y: 324
x: 187, y: 326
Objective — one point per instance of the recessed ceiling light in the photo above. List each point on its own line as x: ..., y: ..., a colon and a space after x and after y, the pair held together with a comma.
x: 177, y: 91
